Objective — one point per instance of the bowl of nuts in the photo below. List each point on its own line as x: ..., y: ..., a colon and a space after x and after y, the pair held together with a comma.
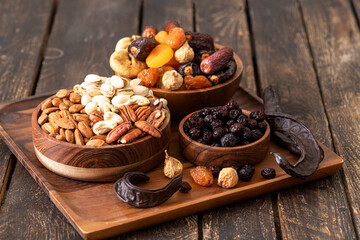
x: 84, y: 135
x: 184, y: 67
x: 224, y: 136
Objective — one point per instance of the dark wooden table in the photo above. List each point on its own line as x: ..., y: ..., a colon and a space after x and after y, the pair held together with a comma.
x: 309, y: 49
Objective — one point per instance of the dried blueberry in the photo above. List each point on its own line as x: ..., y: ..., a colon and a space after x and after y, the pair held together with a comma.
x: 201, y: 141
x: 246, y: 173
x: 226, y: 130
x: 208, y: 119
x: 236, y: 128
x: 237, y: 168
x: 215, y: 144
x: 233, y: 104
x: 215, y: 170
x: 258, y: 115
x: 187, y: 126
x: 194, y: 133
x: 184, y: 187
x: 234, y: 113
x: 268, y: 173
x: 196, y: 115
x: 247, y: 135
x: 218, y: 133
x: 228, y: 140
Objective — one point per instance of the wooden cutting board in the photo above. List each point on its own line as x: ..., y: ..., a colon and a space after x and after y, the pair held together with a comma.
x: 94, y: 209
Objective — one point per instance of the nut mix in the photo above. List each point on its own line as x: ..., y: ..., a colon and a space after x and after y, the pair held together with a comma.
x: 190, y: 58
x: 102, y: 111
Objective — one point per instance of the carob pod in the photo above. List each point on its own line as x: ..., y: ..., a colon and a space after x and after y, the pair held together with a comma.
x: 217, y: 61
x: 140, y: 48
x: 144, y: 198
x: 293, y: 135
x: 224, y: 74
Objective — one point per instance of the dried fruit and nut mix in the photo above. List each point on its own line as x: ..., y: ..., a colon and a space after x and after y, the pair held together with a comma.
x: 172, y: 59
x: 225, y: 126
x: 102, y: 111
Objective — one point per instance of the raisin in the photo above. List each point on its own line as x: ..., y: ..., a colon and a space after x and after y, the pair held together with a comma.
x: 258, y: 115
x: 161, y: 36
x: 149, y: 76
x: 215, y: 144
x: 246, y: 173
x: 202, y: 176
x: 170, y: 25
x: 226, y: 130
x: 159, y: 56
x: 196, y: 115
x: 189, y: 68
x: 241, y: 119
x: 185, y: 187
x: 268, y: 173
x: 208, y: 119
x: 140, y: 48
x: 233, y: 105
x: 149, y: 32
x: 194, y: 133
x: 218, y: 133
x: 196, y: 82
x: 223, y: 74
x: 247, y: 135
x: 187, y: 126
x: 215, y: 170
x: 201, y: 141
x: 200, y: 41
x: 201, y: 55
x: 236, y: 128
x: 216, y: 123
x: 216, y: 61
x: 176, y: 38
x: 229, y: 140
x: 234, y: 113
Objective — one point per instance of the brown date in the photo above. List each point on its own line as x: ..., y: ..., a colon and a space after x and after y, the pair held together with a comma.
x: 200, y: 41
x: 216, y: 61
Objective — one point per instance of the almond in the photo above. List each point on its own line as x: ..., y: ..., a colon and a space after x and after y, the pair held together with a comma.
x: 46, y: 104
x: 65, y: 123
x: 50, y: 110
x: 68, y: 102
x: 96, y: 143
x: 72, y: 119
x: 85, y: 129
x: 63, y: 106
x: 79, y: 140
x: 42, y: 119
x: 60, y: 137
x: 83, y: 111
x: 50, y: 128
x: 102, y: 137
x: 62, y: 93
x: 64, y: 113
x: 69, y: 135
x: 75, y: 108
x: 54, y: 116
x: 75, y: 97
x: 82, y: 117
x: 56, y: 102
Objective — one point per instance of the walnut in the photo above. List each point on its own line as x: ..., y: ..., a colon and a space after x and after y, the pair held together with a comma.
x: 172, y: 167
x: 171, y: 80
x: 184, y: 54
x: 228, y: 178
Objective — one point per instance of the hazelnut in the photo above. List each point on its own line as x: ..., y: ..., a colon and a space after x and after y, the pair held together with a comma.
x: 228, y: 178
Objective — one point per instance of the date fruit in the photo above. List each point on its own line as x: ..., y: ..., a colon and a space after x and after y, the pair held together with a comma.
x: 200, y: 41
x: 223, y: 74
x: 216, y: 61
x: 189, y: 68
x: 140, y: 48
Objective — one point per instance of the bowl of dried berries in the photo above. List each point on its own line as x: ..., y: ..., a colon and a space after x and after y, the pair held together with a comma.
x: 186, y: 68
x: 224, y: 136
x: 101, y: 129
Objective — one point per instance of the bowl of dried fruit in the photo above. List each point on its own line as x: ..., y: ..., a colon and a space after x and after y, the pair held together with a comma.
x: 186, y: 68
x: 224, y: 136
x: 102, y: 129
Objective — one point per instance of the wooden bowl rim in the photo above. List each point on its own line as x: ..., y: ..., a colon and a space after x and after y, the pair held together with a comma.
x: 246, y: 112
x: 54, y: 140
x: 237, y: 74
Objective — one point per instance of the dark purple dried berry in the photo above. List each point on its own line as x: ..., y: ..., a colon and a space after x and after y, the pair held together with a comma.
x: 229, y: 140
x: 185, y: 187
x: 234, y: 113
x: 241, y: 119
x: 208, y: 119
x: 216, y: 123
x: 187, y: 126
x: 262, y: 126
x: 226, y: 130
x: 237, y: 168
x: 247, y: 135
x: 207, y: 136
x: 196, y: 115
x: 215, y: 170
x: 230, y: 122
x: 246, y: 142
x: 141, y: 47
x: 205, y: 111
x: 194, y: 133
x: 257, y: 134
x: 233, y: 104
x: 236, y: 128
x: 258, y: 115
x: 215, y: 144
x: 268, y: 173
x: 252, y: 123
x: 218, y: 133
x: 201, y: 141
x: 246, y: 173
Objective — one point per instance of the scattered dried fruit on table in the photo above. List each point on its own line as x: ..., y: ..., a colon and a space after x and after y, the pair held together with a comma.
x: 246, y: 173
x: 172, y: 166
x: 268, y: 173
x: 228, y: 178
x: 215, y: 170
x: 202, y: 176
x: 185, y: 187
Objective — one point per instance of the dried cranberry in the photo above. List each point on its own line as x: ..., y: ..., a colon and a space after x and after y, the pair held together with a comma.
x: 230, y: 122
x: 192, y: 121
x: 185, y: 187
x: 241, y: 119
x: 207, y: 135
x: 268, y: 173
x: 246, y: 173
x: 251, y: 123
x: 215, y: 170
x: 218, y: 133
x: 258, y: 115
x: 216, y: 123
x: 194, y: 133
x: 233, y: 104
x: 236, y: 128
x: 223, y: 112
x: 205, y: 111
x: 262, y: 126
x: 256, y: 134
x: 229, y: 140
x: 234, y: 113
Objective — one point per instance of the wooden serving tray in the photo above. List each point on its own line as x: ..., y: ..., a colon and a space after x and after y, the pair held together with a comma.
x: 94, y: 209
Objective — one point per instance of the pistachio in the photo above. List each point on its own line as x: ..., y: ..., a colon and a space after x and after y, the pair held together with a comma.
x: 103, y: 127
x: 107, y: 90
x: 90, y: 107
x: 117, y: 82
x: 113, y: 116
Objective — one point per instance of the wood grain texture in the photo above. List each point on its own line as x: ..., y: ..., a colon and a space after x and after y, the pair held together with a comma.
x: 94, y: 209
x: 284, y: 60
x: 335, y: 43
x: 226, y: 22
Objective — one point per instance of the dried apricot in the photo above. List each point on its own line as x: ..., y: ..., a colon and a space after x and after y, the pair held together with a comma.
x: 159, y: 56
x: 160, y: 37
x: 202, y: 176
x: 176, y: 38
x: 196, y: 82
x: 149, y: 76
x: 175, y: 64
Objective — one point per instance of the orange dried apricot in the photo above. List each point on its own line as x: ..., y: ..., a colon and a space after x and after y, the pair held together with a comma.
x: 159, y: 56
x: 196, y: 82
x: 160, y: 37
x: 202, y: 176
x: 175, y: 64
x: 176, y: 38
x: 149, y: 76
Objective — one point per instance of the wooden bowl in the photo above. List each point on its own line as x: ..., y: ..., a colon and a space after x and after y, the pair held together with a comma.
x: 184, y: 102
x: 99, y: 164
x: 205, y: 155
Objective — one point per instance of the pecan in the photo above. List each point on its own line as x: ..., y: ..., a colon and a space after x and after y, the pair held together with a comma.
x: 129, y: 112
x: 145, y: 115
x: 135, y: 106
x: 62, y: 93
x: 117, y: 132
x: 159, y: 106
x: 63, y: 106
x: 146, y: 127
x: 95, y: 142
x: 69, y: 135
x: 130, y: 135
x: 140, y: 112
x: 86, y: 140
x: 153, y: 116
x: 76, y: 108
x: 42, y: 119
x: 46, y: 104
x: 65, y: 123
x: 75, y: 97
x: 50, y: 110
x: 101, y: 137
x: 96, y: 116
x: 54, y: 116
x: 78, y: 137
x: 56, y: 102
x: 85, y: 129
x: 157, y: 122
x: 68, y: 102
x: 124, y: 116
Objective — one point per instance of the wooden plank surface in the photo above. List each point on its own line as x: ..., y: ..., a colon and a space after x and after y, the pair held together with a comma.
x: 226, y: 21
x: 335, y: 43
x: 319, y: 209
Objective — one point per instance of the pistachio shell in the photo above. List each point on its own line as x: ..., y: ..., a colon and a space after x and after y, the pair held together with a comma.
x: 135, y: 82
x: 100, y: 100
x: 93, y: 78
x: 164, y: 101
x: 85, y: 99
x: 117, y: 82
x: 141, y: 90
x: 124, y: 91
x: 139, y: 100
x: 150, y: 94
x: 90, y: 107
x: 114, y: 117
x: 107, y: 90
x: 93, y: 90
x: 119, y: 100
x: 106, y: 107
x: 103, y: 127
